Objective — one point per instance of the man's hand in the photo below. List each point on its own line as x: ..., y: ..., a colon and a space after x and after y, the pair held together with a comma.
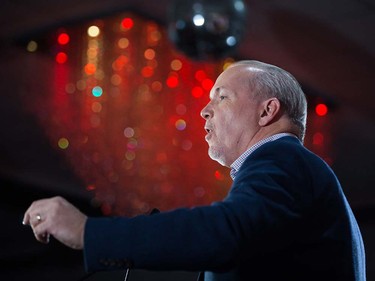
x: 57, y: 217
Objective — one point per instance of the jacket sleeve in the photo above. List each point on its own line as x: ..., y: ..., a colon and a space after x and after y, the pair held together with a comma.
x: 259, y: 213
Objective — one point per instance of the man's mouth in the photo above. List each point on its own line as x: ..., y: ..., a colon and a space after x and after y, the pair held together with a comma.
x: 208, y: 131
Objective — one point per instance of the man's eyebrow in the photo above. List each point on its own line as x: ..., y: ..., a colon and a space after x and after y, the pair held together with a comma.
x: 219, y: 89
x: 215, y: 92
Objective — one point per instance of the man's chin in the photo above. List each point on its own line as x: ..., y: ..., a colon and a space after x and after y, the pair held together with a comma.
x: 216, y: 156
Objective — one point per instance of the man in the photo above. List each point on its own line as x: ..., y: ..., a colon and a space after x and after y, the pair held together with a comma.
x: 284, y: 218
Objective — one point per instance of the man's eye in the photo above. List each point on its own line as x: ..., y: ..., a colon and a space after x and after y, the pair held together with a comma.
x: 222, y: 97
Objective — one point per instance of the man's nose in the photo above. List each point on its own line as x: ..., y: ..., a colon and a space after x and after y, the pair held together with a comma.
x: 206, y: 112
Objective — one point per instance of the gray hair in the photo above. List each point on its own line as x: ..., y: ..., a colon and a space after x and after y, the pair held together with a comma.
x: 269, y: 81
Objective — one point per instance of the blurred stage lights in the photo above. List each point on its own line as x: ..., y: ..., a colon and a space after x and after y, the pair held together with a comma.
x: 198, y: 20
x: 63, y: 143
x: 207, y: 29
x: 180, y: 124
x: 63, y: 39
x: 321, y: 109
x: 172, y: 82
x: 127, y: 23
x: 32, y: 46
x: 93, y: 31
x: 61, y: 57
x: 97, y: 91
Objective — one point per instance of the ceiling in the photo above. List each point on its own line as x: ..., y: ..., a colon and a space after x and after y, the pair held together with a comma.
x: 352, y: 19
x: 306, y: 37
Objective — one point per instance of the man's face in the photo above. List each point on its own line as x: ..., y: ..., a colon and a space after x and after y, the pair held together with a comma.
x: 231, y: 116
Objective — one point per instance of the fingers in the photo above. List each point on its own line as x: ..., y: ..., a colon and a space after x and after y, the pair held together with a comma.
x: 38, y: 226
x: 36, y: 218
x: 42, y: 237
x: 33, y: 211
x: 26, y: 218
x: 40, y: 229
x: 56, y: 217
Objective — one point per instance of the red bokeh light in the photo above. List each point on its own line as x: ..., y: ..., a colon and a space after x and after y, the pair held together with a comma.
x: 172, y: 81
x: 197, y: 92
x: 321, y: 109
x: 147, y: 71
x: 61, y: 57
x: 90, y: 68
x: 127, y: 23
x: 200, y: 75
x: 63, y: 39
x: 318, y: 138
x: 120, y: 62
x: 90, y: 187
x: 207, y: 84
x: 219, y: 176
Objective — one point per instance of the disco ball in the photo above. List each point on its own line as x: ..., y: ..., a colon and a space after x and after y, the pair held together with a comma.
x: 207, y: 29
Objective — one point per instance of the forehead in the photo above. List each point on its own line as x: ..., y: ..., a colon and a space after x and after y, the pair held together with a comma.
x: 234, y: 79
x: 239, y: 72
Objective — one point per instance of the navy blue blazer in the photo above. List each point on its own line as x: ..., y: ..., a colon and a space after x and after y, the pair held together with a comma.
x: 284, y: 218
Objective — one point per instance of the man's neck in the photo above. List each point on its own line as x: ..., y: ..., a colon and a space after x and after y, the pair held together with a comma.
x: 282, y: 126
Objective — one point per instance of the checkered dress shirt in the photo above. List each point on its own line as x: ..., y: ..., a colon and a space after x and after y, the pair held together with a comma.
x: 236, y: 165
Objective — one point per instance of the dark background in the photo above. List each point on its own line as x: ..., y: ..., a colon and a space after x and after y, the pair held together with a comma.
x: 327, y: 45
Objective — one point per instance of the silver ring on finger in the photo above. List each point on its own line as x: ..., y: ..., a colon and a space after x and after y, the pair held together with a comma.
x: 38, y: 217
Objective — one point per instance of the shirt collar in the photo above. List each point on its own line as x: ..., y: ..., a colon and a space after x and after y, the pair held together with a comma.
x: 236, y: 165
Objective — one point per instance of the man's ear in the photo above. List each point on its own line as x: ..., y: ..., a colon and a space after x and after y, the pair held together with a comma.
x: 269, y: 109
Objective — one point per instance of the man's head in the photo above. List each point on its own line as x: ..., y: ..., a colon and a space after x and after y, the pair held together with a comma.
x: 249, y: 102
